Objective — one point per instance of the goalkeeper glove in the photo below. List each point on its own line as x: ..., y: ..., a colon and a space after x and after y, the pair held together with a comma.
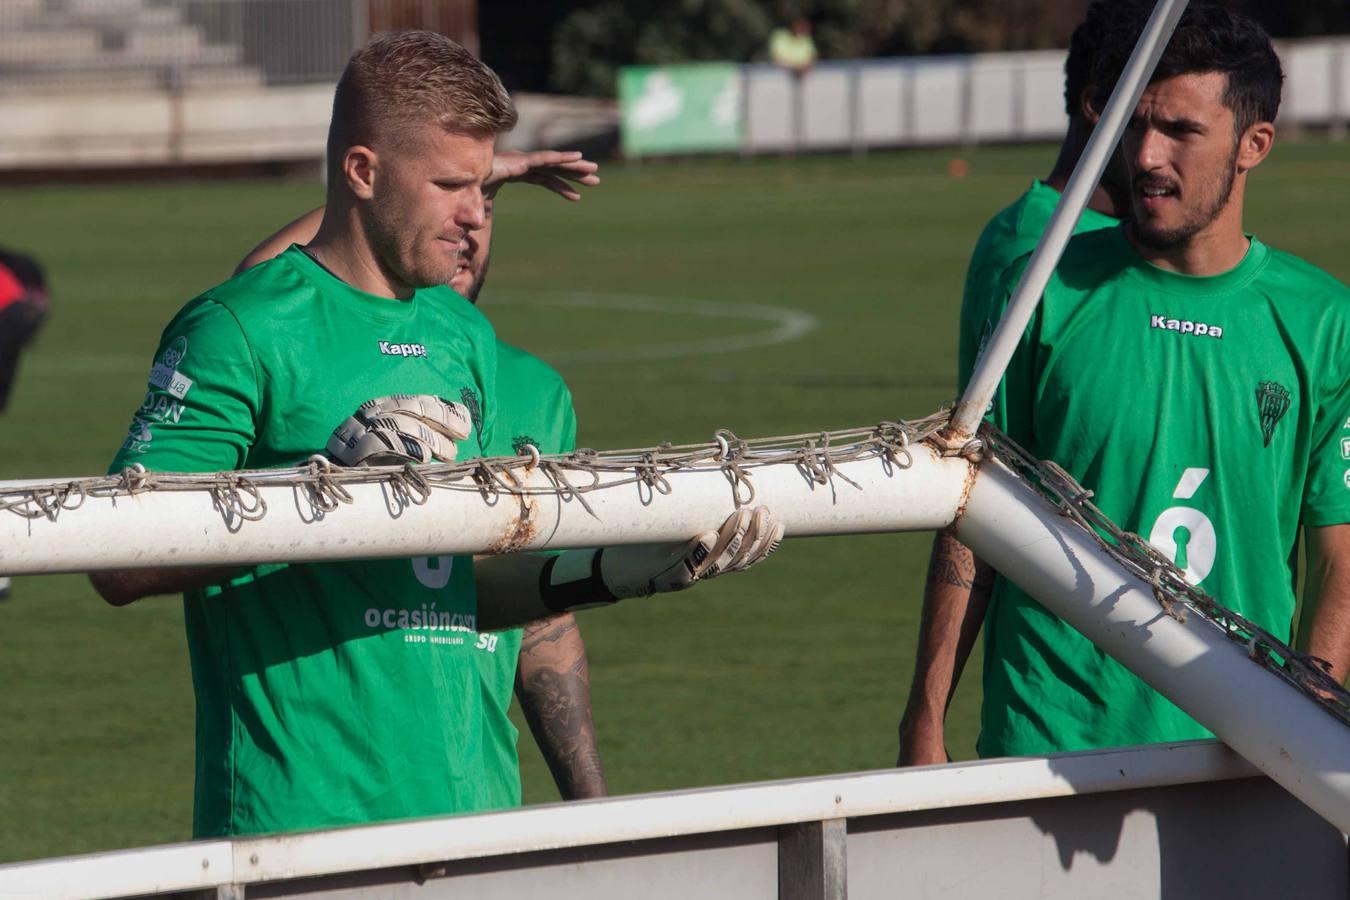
x: 581, y: 578
x: 400, y: 428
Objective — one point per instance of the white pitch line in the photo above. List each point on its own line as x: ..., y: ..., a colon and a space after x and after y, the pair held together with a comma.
x: 789, y: 324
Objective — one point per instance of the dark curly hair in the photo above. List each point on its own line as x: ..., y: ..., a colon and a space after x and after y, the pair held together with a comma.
x: 1208, y: 39
x: 1104, y: 19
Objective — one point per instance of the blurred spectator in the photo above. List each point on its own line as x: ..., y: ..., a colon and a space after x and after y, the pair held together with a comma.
x: 23, y: 307
x: 792, y: 48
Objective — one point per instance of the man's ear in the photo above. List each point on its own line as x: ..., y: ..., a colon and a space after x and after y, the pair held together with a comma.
x: 1255, y: 145
x: 358, y: 168
x: 1088, y: 105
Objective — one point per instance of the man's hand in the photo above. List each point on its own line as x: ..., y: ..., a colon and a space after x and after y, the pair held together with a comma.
x: 400, y: 428
x: 745, y: 539
x: 557, y: 170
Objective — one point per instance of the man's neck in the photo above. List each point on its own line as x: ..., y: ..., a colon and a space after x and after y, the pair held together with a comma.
x: 1213, y: 250
x: 341, y: 247
x: 1203, y: 254
x: 1100, y: 201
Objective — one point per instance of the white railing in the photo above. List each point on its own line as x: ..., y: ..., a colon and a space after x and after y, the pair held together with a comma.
x: 1009, y: 819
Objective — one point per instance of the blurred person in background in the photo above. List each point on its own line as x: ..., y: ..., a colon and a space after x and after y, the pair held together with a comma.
x: 23, y: 309
x: 956, y: 594
x: 545, y: 661
x: 793, y: 48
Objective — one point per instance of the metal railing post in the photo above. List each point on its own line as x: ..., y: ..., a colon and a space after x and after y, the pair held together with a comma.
x: 813, y: 861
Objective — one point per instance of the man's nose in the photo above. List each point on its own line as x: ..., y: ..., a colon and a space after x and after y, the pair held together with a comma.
x: 1147, y: 153
x: 472, y: 213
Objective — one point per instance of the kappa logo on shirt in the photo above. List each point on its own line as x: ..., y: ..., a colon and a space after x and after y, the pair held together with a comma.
x: 389, y: 348
x: 1185, y: 326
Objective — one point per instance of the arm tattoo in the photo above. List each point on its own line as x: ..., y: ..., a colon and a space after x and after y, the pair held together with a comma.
x: 952, y: 563
x: 555, y: 695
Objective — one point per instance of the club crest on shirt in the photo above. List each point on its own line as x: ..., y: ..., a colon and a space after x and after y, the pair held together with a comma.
x: 470, y: 400
x: 1272, y: 402
x: 520, y: 442
x: 985, y: 334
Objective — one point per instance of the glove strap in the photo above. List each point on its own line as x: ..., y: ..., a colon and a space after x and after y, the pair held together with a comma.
x: 583, y: 593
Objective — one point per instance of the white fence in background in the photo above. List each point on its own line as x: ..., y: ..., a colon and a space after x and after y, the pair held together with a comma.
x: 159, y: 86
x: 1170, y: 821
x: 964, y: 100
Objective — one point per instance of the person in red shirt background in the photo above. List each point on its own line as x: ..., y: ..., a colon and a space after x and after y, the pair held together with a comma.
x: 23, y: 308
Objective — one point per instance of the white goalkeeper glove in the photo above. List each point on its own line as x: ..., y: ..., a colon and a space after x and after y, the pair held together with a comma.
x: 400, y: 428
x: 580, y: 578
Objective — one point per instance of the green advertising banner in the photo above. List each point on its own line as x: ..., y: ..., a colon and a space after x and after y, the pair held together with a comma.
x: 680, y: 109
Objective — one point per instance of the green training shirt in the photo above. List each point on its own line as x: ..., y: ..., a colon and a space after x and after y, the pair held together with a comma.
x: 1009, y: 235
x: 1211, y: 416
x: 336, y: 693
x: 534, y: 406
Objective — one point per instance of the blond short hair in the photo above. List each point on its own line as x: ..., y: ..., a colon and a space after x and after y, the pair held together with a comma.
x: 406, y: 79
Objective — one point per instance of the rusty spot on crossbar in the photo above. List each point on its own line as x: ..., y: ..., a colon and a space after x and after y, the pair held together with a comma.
x: 521, y: 528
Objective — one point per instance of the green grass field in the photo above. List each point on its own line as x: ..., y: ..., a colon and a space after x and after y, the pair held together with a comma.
x: 798, y: 668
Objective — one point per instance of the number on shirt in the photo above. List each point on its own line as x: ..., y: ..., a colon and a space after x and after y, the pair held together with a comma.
x: 433, y: 571
x: 1184, y: 534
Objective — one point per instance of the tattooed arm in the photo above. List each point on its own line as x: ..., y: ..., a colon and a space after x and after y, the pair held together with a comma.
x: 553, y: 686
x: 955, y: 598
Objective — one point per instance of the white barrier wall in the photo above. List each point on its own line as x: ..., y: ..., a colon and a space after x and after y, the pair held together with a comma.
x: 156, y: 128
x: 1171, y: 821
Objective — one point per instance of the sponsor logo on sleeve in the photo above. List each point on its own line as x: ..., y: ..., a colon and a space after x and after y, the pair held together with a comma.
x: 1185, y: 326
x: 390, y: 348
x: 161, y: 403
x: 164, y: 373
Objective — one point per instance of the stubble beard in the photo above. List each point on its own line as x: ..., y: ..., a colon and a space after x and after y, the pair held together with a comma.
x: 396, y: 253
x: 481, y: 276
x: 1165, y: 239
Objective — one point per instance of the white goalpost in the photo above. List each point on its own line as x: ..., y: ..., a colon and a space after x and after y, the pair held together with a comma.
x: 1258, y: 696
x: 890, y: 478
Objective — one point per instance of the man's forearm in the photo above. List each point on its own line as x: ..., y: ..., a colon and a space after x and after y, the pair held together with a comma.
x: 956, y: 596
x: 509, y: 593
x: 124, y: 586
x: 554, y: 689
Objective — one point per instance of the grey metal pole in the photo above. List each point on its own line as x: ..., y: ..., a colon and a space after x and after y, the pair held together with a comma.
x: 993, y: 362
